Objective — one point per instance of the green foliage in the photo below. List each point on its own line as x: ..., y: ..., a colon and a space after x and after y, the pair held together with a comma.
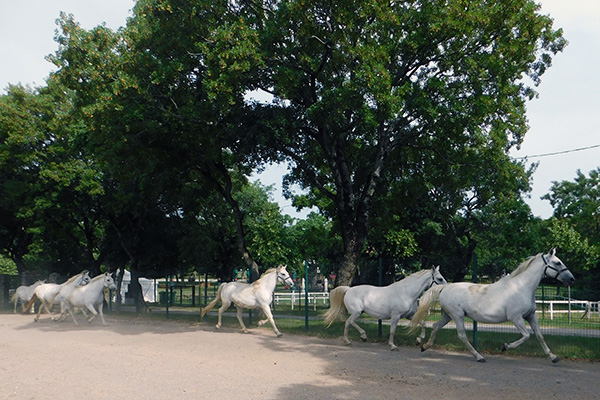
x: 7, y: 266
x: 396, y: 120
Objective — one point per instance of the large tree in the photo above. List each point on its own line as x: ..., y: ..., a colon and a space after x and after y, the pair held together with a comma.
x: 578, y: 202
x: 376, y: 91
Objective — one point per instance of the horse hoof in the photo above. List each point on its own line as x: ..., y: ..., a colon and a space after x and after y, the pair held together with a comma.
x: 395, y: 348
x: 423, y: 349
x: 504, y: 348
x: 481, y: 360
x: 279, y: 334
x: 555, y: 360
x: 363, y: 339
x: 348, y: 343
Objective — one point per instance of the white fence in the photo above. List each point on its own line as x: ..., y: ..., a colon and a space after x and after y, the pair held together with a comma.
x: 587, y: 307
x: 298, y: 298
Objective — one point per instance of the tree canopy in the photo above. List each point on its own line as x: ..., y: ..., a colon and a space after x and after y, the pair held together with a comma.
x: 396, y: 119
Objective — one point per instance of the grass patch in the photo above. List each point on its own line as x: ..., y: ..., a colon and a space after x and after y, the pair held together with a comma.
x: 568, y: 347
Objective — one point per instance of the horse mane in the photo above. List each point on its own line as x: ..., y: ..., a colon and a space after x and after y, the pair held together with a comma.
x: 415, y: 275
x: 72, y: 279
x: 522, y: 267
x: 101, y: 276
x: 256, y: 283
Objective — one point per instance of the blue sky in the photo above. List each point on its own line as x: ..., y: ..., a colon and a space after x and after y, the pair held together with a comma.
x: 563, y: 117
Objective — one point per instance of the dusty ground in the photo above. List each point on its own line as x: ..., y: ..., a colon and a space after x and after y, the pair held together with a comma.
x: 174, y: 360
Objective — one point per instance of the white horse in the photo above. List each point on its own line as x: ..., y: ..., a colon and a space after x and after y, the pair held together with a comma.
x: 23, y: 295
x: 90, y: 296
x: 48, y: 293
x: 512, y: 298
x: 394, y: 302
x: 258, y: 294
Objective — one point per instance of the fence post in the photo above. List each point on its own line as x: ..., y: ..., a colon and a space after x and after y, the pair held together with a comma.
x: 379, y: 328
x: 167, y: 295
x: 306, y: 296
x: 475, y: 280
x: 569, y: 287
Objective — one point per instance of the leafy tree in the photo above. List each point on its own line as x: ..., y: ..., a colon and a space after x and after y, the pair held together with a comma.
x: 376, y: 92
x: 578, y: 202
x: 21, y: 136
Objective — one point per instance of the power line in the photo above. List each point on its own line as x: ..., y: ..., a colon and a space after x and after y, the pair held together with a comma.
x: 556, y: 153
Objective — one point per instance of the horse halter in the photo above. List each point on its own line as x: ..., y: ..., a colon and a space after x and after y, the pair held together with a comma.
x: 548, y: 266
x: 433, y: 282
x: 282, y: 277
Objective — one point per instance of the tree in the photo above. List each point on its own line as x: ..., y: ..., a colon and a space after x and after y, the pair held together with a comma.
x: 376, y: 91
x: 578, y: 202
x: 21, y: 133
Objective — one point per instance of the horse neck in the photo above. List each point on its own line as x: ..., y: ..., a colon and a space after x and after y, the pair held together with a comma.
x: 422, y: 283
x: 268, y: 281
x: 95, y: 283
x: 414, y: 285
x: 530, y: 278
x: 75, y: 281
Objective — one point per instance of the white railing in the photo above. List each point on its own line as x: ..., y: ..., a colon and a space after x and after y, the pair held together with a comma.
x: 587, y: 307
x: 297, y: 298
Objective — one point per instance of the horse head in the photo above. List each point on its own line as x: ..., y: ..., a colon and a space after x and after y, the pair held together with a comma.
x: 84, y: 278
x: 284, y: 276
x: 109, y: 282
x: 555, y: 269
x: 436, y: 277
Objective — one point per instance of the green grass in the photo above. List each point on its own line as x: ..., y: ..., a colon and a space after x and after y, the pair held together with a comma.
x: 567, y: 347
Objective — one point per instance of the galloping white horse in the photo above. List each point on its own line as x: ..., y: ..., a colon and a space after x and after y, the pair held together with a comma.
x: 48, y: 293
x: 90, y: 296
x: 258, y: 294
x: 395, y: 301
x: 511, y: 298
x: 23, y: 295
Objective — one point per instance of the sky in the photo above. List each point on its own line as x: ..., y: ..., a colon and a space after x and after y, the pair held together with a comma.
x: 563, y: 117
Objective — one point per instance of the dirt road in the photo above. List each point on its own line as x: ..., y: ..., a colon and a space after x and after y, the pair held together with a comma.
x: 132, y: 359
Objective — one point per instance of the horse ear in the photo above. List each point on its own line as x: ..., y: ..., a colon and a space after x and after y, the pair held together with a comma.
x: 552, y: 251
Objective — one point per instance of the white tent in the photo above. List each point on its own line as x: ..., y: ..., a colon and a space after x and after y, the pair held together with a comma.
x: 149, y: 287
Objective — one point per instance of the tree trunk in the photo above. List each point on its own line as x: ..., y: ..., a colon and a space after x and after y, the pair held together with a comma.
x: 348, y: 266
x: 225, y: 189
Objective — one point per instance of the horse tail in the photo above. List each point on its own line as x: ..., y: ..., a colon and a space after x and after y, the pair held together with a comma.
x: 213, y: 303
x: 30, y: 303
x: 13, y: 298
x: 336, y: 305
x: 425, y: 303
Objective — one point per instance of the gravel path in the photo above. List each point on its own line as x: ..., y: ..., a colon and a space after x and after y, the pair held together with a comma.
x: 132, y: 359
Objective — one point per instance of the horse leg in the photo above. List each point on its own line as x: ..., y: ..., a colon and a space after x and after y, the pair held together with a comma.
x: 522, y: 328
x: 262, y: 321
x: 224, y: 306
x: 42, y: 306
x: 100, y: 311
x: 240, y: 319
x: 64, y: 309
x: 533, y: 322
x: 92, y: 310
x: 421, y: 338
x: 436, y: 327
x: 462, y: 335
x: 267, y: 311
x: 72, y: 312
x: 393, y: 325
x: 352, y: 321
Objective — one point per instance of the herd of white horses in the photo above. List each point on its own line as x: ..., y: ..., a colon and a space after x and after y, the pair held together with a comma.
x: 512, y: 298
x: 80, y: 291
